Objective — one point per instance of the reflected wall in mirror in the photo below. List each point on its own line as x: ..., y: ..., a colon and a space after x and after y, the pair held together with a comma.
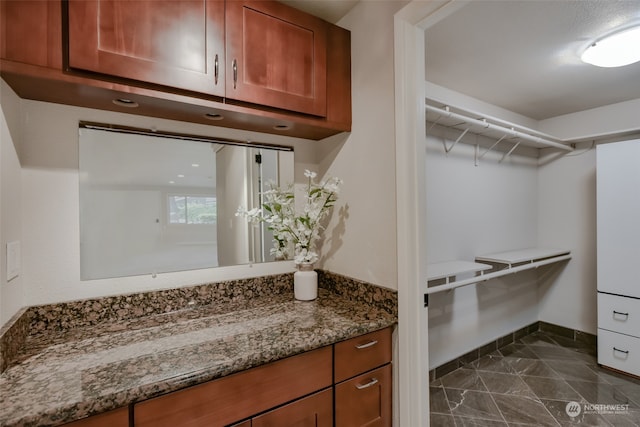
x: 154, y: 202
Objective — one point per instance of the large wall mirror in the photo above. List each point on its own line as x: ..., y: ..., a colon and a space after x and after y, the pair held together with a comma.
x: 154, y: 202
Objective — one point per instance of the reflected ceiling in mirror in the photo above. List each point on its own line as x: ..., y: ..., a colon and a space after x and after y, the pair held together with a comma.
x: 154, y: 202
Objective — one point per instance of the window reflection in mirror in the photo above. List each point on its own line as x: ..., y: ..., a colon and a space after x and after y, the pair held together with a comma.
x: 158, y: 202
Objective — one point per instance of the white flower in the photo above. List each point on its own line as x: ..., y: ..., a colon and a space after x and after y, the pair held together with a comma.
x: 289, y: 228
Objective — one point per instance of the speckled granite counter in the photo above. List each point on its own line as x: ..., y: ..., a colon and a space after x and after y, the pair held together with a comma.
x: 62, y: 374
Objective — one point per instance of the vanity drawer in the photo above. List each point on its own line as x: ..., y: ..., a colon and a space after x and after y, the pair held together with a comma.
x: 619, y: 351
x: 619, y: 314
x: 226, y: 400
x: 363, y: 353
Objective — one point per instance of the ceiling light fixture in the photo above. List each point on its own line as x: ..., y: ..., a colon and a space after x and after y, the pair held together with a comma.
x: 614, y: 50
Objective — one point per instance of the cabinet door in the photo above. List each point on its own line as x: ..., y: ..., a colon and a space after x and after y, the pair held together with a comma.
x: 313, y: 411
x: 177, y: 43
x: 276, y: 56
x: 30, y: 32
x: 115, y: 418
x: 365, y: 400
x: 618, y: 202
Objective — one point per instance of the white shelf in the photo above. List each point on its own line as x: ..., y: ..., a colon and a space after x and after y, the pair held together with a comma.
x: 521, y: 256
x: 526, y: 259
x: 447, y: 269
x: 457, y: 118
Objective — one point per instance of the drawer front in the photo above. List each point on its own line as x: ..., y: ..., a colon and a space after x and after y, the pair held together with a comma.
x: 312, y: 411
x: 619, y: 314
x: 619, y: 351
x: 115, y: 418
x: 363, y: 353
x: 229, y: 399
x: 365, y: 400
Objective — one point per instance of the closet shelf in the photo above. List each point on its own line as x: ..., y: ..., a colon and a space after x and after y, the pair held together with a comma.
x: 529, y: 255
x: 492, y: 128
x: 503, y: 263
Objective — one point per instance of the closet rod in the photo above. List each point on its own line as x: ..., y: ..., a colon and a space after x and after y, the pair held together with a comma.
x: 499, y: 273
x: 486, y: 125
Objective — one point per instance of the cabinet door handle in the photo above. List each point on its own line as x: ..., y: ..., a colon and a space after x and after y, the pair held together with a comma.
x: 367, y: 345
x: 216, y: 69
x: 373, y: 381
x: 235, y: 73
x: 621, y: 351
x: 620, y: 313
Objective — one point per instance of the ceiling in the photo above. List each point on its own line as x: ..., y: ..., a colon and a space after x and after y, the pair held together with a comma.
x: 329, y: 10
x: 521, y: 55
x: 524, y: 55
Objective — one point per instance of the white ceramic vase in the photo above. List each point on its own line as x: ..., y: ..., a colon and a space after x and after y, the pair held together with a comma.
x: 305, y: 282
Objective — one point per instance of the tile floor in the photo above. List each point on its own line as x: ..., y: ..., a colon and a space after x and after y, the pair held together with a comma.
x: 530, y: 383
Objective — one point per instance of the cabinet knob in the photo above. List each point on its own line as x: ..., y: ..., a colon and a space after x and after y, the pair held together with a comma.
x: 619, y: 313
x: 373, y: 382
x: 367, y: 345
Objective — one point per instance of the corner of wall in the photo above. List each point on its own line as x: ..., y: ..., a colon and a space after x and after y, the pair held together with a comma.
x: 11, y: 294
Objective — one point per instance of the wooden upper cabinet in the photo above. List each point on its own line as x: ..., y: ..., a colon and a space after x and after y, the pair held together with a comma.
x: 30, y: 32
x: 276, y: 56
x: 173, y: 43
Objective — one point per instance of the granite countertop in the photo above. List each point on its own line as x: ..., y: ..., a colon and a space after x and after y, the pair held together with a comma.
x: 64, y: 376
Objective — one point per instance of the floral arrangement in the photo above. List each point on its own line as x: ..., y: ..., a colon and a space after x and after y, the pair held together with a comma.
x: 290, y: 228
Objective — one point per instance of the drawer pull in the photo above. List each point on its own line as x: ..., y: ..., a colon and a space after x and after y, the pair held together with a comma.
x: 234, y: 67
x: 621, y: 351
x: 619, y: 313
x: 373, y: 381
x: 367, y: 345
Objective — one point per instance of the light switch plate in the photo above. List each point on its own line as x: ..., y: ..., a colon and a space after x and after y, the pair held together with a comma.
x: 13, y: 260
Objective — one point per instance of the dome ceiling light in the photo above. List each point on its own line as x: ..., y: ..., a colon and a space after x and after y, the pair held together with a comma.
x: 615, y: 50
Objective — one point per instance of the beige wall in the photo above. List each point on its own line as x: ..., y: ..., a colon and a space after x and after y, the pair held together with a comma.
x: 11, y: 293
x: 361, y: 240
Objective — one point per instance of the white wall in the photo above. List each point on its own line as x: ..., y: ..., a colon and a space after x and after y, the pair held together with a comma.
x: 12, y: 292
x: 474, y: 210
x: 567, y: 219
x: 361, y: 242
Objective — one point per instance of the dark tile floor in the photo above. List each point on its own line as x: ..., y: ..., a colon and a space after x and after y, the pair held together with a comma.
x: 530, y: 383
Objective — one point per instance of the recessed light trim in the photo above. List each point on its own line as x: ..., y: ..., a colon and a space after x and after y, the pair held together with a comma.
x: 614, y: 50
x: 213, y: 116
x: 124, y: 102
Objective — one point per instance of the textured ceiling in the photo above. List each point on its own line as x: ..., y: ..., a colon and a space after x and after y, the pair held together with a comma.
x: 524, y: 55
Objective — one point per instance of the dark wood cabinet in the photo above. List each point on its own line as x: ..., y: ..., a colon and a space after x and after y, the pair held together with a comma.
x: 172, y: 43
x: 365, y: 400
x: 293, y: 71
x: 30, y: 32
x: 115, y: 418
x: 362, y: 373
x: 312, y: 411
x: 230, y: 399
x: 276, y: 56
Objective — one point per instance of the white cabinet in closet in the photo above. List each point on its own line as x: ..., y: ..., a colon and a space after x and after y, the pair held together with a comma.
x: 618, y: 238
